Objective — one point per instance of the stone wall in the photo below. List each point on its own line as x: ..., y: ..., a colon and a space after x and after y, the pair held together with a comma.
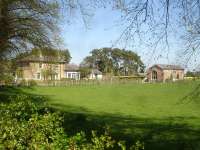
x: 31, y: 69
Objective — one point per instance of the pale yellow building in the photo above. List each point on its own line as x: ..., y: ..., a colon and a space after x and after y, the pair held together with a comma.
x: 40, y: 68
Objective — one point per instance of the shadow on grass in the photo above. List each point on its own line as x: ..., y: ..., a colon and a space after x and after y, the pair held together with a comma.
x: 8, y: 93
x: 194, y: 95
x: 156, y: 133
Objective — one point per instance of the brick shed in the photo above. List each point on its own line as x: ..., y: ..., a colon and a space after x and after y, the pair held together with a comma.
x: 163, y: 72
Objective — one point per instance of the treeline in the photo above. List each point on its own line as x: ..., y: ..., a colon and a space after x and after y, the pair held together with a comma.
x: 193, y: 74
x: 113, y: 60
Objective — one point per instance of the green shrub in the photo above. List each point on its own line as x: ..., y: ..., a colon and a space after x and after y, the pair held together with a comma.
x: 6, y: 79
x: 32, y: 83
x: 23, y: 82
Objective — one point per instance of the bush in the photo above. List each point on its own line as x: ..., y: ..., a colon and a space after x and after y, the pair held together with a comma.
x: 6, y: 79
x: 23, y: 82
x: 32, y: 83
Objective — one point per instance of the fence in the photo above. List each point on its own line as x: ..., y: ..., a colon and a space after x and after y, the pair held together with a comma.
x: 114, y: 80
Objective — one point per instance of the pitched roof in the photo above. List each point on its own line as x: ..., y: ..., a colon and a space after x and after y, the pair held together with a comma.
x: 96, y: 71
x: 34, y: 58
x: 71, y: 67
x: 168, y: 67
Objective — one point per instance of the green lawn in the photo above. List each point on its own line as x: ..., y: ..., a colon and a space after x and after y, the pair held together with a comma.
x: 158, y: 114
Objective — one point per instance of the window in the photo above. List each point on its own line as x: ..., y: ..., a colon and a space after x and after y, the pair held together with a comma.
x: 154, y: 75
x: 38, y: 75
x: 55, y: 67
x: 74, y: 75
x: 177, y: 76
x: 69, y: 75
x: 40, y: 65
x: 56, y: 76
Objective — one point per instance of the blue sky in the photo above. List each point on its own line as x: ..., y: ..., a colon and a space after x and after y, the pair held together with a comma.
x: 103, y: 32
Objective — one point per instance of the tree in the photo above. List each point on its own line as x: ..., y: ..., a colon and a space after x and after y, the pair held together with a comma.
x: 126, y: 62
x: 6, y: 74
x: 65, y: 54
x: 117, y: 61
x: 155, y: 24
x: 193, y: 74
x: 152, y: 23
x: 26, y: 23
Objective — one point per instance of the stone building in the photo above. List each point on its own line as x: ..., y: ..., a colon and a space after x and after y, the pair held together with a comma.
x: 40, y: 68
x: 163, y: 72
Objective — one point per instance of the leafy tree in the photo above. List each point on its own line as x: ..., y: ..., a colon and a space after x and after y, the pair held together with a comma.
x: 84, y: 71
x: 26, y: 23
x: 193, y: 74
x: 65, y: 54
x: 117, y: 61
x: 6, y: 74
x: 48, y: 73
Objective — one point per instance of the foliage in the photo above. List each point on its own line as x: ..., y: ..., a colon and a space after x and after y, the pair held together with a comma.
x: 84, y: 71
x: 22, y: 126
x: 65, y: 54
x: 192, y: 74
x: 6, y: 74
x: 32, y: 83
x: 29, y: 83
x: 7, y: 79
x: 47, y: 73
x: 114, y: 60
x: 22, y: 82
x: 26, y: 23
x: 28, y: 123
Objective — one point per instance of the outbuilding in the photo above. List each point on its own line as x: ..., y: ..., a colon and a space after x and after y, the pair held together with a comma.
x: 165, y: 72
x: 95, y: 74
x: 72, y: 71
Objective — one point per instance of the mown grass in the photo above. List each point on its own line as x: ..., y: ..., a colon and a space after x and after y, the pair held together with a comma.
x: 164, y: 116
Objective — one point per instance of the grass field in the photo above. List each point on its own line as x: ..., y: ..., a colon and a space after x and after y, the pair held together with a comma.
x: 158, y: 114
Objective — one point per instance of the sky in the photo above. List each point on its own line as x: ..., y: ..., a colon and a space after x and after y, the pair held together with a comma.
x: 103, y: 31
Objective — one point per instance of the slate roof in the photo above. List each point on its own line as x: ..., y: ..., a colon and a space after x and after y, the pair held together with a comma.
x: 96, y: 71
x: 168, y: 67
x: 34, y: 58
x: 71, y: 67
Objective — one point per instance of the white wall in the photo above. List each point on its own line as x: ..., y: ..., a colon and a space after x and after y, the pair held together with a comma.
x: 93, y: 76
x: 72, y: 75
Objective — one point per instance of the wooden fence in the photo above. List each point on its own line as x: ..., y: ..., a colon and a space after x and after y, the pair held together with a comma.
x: 90, y: 82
